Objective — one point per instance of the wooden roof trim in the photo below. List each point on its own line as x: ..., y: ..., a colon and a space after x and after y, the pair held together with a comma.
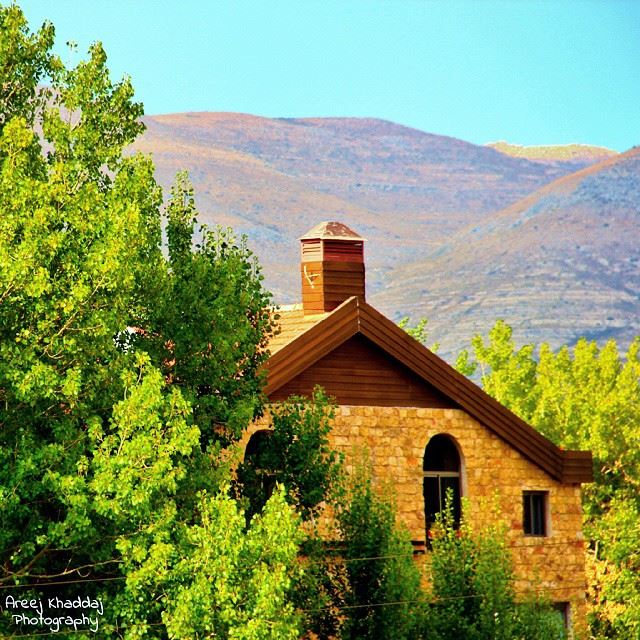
x: 469, y: 396
x: 306, y: 349
x: 567, y: 466
x: 575, y: 465
x: 426, y: 363
x: 354, y: 316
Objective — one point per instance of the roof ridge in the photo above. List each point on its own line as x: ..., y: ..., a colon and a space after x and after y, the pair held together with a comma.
x: 355, y: 316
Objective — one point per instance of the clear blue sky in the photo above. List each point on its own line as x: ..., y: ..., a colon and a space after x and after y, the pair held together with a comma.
x: 528, y: 72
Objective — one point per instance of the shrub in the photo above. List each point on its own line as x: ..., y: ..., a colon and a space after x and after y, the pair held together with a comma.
x: 384, y: 598
x: 472, y: 593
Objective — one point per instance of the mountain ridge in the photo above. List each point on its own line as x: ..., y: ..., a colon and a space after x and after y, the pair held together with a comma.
x: 562, y: 263
x: 410, y: 192
x: 552, y: 153
x: 273, y: 179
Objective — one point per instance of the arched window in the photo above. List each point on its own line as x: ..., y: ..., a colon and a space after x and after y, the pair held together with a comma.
x: 441, y: 473
x: 256, y: 472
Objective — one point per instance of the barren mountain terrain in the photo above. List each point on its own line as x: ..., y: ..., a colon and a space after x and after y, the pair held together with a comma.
x: 560, y: 264
x: 406, y: 191
x: 546, y: 237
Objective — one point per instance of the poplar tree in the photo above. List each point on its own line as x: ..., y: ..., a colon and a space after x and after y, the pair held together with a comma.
x: 125, y: 375
x: 585, y: 397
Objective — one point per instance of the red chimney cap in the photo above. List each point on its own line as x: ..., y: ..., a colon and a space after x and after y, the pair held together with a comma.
x: 331, y: 231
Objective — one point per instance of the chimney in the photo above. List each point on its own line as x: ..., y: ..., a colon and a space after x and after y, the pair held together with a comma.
x: 332, y: 266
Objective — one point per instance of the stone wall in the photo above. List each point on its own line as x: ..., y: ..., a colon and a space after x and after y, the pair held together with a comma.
x: 492, y: 472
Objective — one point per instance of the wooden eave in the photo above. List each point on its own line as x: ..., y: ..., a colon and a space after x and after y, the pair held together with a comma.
x: 355, y: 316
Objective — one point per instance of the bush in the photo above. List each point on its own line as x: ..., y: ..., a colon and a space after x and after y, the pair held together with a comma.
x: 472, y: 593
x: 384, y: 598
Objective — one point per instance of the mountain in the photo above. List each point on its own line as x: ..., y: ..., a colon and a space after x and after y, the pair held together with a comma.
x: 580, y: 155
x: 561, y: 263
x: 405, y: 190
x: 460, y: 233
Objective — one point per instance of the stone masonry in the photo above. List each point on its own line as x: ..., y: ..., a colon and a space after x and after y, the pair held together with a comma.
x: 395, y: 439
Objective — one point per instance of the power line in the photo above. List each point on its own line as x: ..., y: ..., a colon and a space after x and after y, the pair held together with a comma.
x: 337, y: 557
x: 540, y: 591
x: 316, y: 610
x: 513, y: 547
x: 75, y: 631
x: 60, y: 582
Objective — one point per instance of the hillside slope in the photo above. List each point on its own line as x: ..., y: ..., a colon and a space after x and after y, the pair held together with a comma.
x: 561, y: 263
x: 403, y: 189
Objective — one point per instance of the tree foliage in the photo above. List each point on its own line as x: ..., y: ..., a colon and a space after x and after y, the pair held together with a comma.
x: 296, y: 454
x: 209, y: 329
x: 124, y: 374
x: 237, y: 583
x: 471, y: 588
x: 72, y: 234
x: 418, y: 332
x: 384, y: 593
x: 25, y: 57
x: 587, y: 397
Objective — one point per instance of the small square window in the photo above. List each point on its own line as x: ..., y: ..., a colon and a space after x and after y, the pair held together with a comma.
x: 564, y: 609
x: 534, y: 511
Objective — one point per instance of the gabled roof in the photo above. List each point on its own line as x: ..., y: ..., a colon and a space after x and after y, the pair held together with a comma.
x: 292, y: 322
x: 314, y: 339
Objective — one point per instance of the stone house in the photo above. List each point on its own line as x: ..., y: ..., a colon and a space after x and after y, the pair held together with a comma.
x: 426, y: 427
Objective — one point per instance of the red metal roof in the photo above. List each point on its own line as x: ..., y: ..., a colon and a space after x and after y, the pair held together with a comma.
x: 316, y: 339
x: 328, y: 230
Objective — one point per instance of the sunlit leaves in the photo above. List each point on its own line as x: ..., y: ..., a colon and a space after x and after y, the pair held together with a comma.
x: 297, y: 454
x: 587, y: 397
x: 122, y: 374
x: 237, y: 583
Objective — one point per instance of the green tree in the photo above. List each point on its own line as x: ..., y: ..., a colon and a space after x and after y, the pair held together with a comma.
x: 25, y: 58
x: 583, y: 398
x: 471, y: 581
x: 384, y: 594
x: 123, y: 374
x: 295, y: 453
x: 209, y: 327
x: 418, y: 332
x: 506, y: 373
x: 75, y: 224
x: 235, y: 583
